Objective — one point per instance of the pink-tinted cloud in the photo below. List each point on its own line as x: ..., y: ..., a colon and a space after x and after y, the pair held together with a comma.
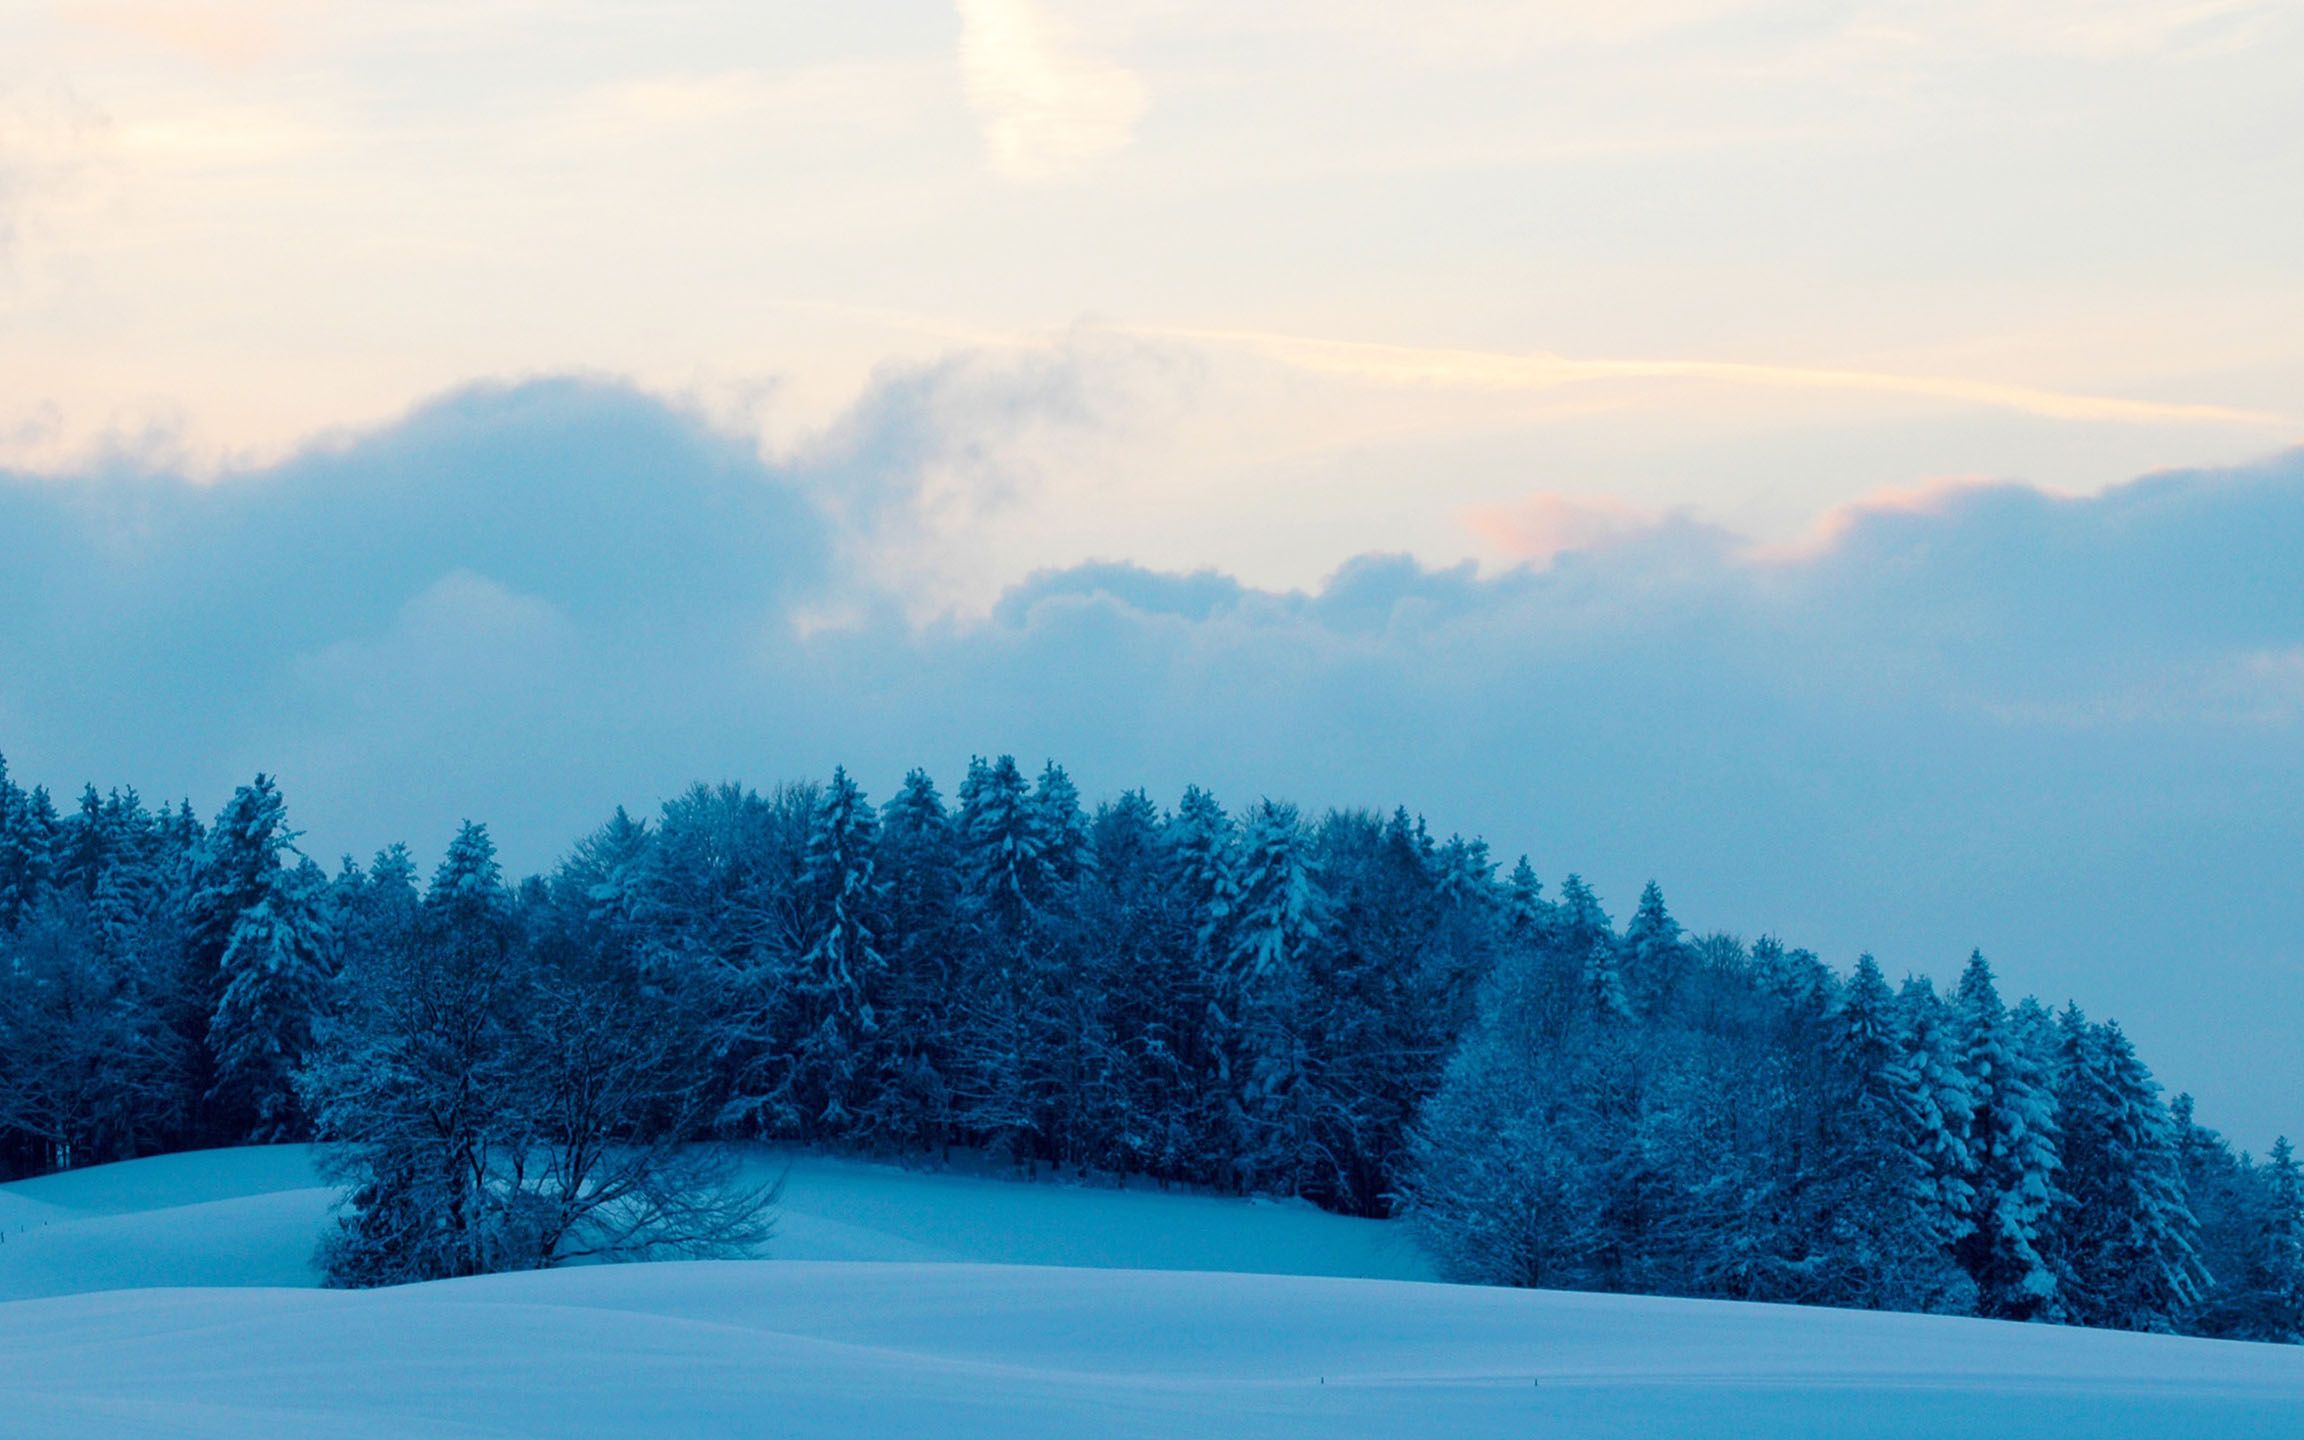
x: 1535, y: 528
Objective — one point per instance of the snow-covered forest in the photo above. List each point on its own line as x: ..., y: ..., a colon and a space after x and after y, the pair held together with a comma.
x: 1340, y: 1007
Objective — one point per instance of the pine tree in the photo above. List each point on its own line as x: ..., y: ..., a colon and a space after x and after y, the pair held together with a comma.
x: 841, y: 969
x: 416, y: 1087
x: 2280, y: 1245
x: 1265, y: 1001
x: 1281, y: 905
x: 1579, y: 922
x: 1941, y: 1106
x: 1201, y: 836
x: 2125, y: 1232
x: 17, y: 888
x: 2012, y: 1148
x: 1882, y: 1216
x: 1061, y: 828
x: 1604, y: 982
x: 919, y: 859
x: 1528, y: 916
x: 1000, y: 843
x: 239, y: 860
x: 1464, y: 875
x: 1654, y: 952
x: 277, y: 972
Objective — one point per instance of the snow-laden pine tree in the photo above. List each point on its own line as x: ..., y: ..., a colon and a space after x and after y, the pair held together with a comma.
x: 2012, y: 1145
x: 243, y: 850
x: 1280, y: 907
x: 1494, y: 1184
x: 16, y: 881
x: 1142, y: 995
x: 2280, y: 1244
x: 919, y: 861
x: 1003, y: 1070
x: 239, y: 861
x: 130, y: 886
x: 2125, y: 1237
x: 415, y: 1088
x: 1578, y: 919
x: 1000, y: 844
x: 1463, y: 875
x: 1528, y: 916
x: 611, y: 866
x: 1886, y: 1223
x: 1655, y: 954
x: 840, y: 972
x: 1941, y: 1108
x: 1267, y: 999
x: 1202, y: 838
x: 277, y: 970
x: 1062, y: 827
x: 1604, y: 983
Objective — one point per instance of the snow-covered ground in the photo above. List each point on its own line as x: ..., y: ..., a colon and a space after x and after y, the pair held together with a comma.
x: 252, y: 1217
x: 881, y: 1321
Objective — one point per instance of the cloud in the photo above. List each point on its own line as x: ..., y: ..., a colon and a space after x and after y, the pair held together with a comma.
x: 1535, y: 528
x: 1049, y: 108
x: 228, y: 34
x: 942, y: 475
x: 2063, y: 728
x: 48, y: 140
x: 1417, y: 365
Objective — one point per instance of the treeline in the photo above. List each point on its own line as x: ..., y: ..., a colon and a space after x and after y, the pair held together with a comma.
x: 1344, y: 1008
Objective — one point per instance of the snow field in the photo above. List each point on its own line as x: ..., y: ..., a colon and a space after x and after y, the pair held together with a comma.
x: 880, y: 1317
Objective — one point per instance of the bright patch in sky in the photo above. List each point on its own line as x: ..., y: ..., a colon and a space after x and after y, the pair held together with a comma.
x: 1048, y: 108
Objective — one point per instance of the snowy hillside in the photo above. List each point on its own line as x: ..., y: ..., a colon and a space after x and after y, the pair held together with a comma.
x: 901, y: 1340
x: 251, y: 1216
x: 828, y: 1349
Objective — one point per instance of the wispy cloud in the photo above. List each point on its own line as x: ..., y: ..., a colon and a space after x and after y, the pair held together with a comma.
x: 230, y: 34
x: 1048, y: 106
x: 47, y: 139
x: 1418, y: 365
x: 1536, y: 528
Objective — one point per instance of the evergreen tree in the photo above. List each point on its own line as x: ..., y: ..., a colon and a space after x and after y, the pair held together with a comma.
x: 1604, y: 982
x: 18, y: 886
x: 1579, y: 922
x: 1654, y: 952
x: 2012, y: 1151
x: 919, y: 859
x: 1267, y: 1003
x: 1061, y: 827
x: 1529, y: 917
x: 276, y: 971
x: 2279, y: 1269
x: 1941, y: 1107
x: 235, y: 873
x: 1201, y: 836
x: 1882, y: 1216
x: 2125, y: 1233
x: 1001, y: 841
x: 840, y: 972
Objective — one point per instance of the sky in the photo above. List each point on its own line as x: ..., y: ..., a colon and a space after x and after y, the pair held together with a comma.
x: 1839, y: 460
